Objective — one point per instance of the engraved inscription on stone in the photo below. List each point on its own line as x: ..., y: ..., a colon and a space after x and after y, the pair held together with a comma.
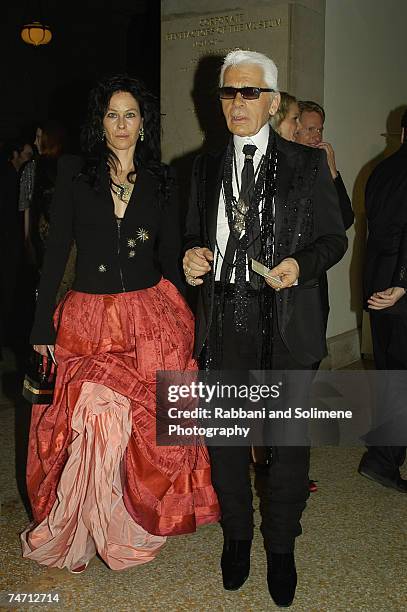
x: 186, y: 42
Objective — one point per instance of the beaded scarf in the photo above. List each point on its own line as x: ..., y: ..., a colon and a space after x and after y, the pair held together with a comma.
x: 264, y: 193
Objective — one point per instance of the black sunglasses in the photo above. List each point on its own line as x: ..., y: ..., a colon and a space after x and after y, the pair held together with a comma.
x: 248, y: 93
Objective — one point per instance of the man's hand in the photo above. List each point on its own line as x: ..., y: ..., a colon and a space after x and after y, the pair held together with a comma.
x: 330, y: 155
x: 386, y: 298
x: 196, y: 264
x: 288, y: 271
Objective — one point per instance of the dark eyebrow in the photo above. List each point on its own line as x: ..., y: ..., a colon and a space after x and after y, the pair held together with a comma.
x: 126, y: 111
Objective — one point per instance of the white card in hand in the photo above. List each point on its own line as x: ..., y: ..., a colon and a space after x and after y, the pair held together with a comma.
x: 259, y: 268
x: 51, y: 352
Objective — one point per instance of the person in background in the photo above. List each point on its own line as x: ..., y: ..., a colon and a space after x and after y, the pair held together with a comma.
x: 37, y: 186
x: 385, y: 285
x: 285, y: 121
x: 97, y: 481
x: 50, y: 142
x: 27, y: 184
x: 309, y: 133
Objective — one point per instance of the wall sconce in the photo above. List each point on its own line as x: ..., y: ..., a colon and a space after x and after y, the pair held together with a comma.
x: 36, y: 34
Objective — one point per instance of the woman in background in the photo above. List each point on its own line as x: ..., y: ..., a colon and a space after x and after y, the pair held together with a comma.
x: 286, y: 120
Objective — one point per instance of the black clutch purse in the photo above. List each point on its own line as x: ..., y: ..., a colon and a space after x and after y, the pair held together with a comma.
x: 39, y: 381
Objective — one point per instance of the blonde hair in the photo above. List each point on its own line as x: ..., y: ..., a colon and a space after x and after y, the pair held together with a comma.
x: 282, y: 112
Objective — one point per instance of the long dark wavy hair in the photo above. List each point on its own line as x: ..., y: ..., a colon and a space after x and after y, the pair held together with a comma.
x: 98, y: 156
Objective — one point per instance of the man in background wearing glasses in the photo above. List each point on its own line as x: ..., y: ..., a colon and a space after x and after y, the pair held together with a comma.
x: 270, y: 200
x: 309, y: 133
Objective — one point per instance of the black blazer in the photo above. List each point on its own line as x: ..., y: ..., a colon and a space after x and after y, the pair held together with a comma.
x: 109, y: 259
x: 308, y: 226
x: 386, y: 212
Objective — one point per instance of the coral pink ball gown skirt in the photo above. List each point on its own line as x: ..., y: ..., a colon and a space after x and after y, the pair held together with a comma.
x: 96, y: 479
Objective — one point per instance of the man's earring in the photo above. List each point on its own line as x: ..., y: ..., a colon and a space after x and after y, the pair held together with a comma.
x: 141, y: 134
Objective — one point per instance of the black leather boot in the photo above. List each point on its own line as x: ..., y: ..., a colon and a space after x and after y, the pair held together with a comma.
x: 281, y: 578
x: 235, y: 563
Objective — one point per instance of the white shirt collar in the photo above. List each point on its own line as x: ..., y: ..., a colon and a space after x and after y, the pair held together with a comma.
x: 260, y: 140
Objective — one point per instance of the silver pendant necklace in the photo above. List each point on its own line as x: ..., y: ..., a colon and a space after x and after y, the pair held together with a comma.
x: 241, y: 206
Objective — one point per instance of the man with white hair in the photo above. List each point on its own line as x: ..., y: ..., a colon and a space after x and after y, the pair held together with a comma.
x: 271, y: 200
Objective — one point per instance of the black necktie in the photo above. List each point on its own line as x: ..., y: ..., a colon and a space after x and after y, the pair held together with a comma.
x: 247, y: 186
x: 253, y: 231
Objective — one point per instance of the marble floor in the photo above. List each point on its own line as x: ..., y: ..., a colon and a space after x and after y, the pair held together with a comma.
x: 351, y: 557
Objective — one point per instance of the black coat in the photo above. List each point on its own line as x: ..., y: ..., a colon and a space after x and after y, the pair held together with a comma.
x: 308, y: 226
x: 386, y: 212
x: 109, y: 259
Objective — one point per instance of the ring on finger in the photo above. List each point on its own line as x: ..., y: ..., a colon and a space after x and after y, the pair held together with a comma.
x: 187, y: 271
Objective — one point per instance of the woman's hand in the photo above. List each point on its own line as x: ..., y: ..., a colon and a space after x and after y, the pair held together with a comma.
x: 196, y: 264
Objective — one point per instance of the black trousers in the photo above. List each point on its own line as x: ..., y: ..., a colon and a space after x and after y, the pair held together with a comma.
x: 286, y: 490
x: 389, y: 337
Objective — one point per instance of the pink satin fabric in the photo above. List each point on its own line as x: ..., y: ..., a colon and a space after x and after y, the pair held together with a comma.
x: 118, y: 342
x: 89, y: 515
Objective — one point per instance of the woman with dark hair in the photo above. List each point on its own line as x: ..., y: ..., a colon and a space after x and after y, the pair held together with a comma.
x: 96, y: 479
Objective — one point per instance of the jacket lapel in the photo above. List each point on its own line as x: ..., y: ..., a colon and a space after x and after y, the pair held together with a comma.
x: 286, y: 162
